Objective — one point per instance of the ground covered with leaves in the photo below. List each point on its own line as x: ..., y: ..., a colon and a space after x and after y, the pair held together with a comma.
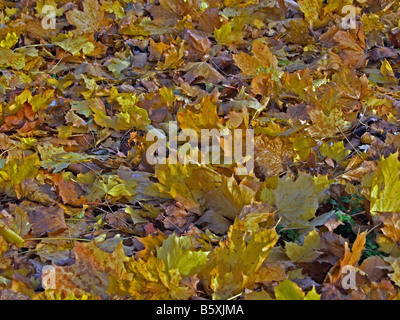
x: 85, y: 215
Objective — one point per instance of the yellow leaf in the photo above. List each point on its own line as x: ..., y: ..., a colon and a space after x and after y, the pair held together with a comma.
x: 385, y: 186
x: 89, y: 20
x: 387, y: 71
x: 232, y: 265
x: 17, y: 170
x: 229, y: 199
x: 74, y: 44
x: 227, y: 34
x: 311, y: 9
x: 391, y: 225
x: 302, y: 145
x: 336, y: 151
x: 176, y: 253
x: 205, y: 118
x: 91, y: 271
x: 261, y: 61
x: 151, y: 280
x: 288, y: 290
x: 10, y: 40
x: 272, y: 156
x: 298, y: 253
x: 296, y: 201
x: 188, y: 183
x: 327, y: 126
x: 9, y: 58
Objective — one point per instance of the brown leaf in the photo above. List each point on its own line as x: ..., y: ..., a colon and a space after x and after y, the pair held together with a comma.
x: 23, y: 121
x: 391, y: 222
x: 46, y: 220
x: 272, y: 155
x: 69, y: 191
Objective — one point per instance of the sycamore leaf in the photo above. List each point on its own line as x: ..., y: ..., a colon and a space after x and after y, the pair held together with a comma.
x: 151, y: 242
x: 10, y: 40
x: 394, y: 267
x: 204, y: 70
x: 112, y: 186
x: 350, y: 258
x: 228, y: 34
x: 205, y: 118
x: 225, y: 204
x: 13, y: 228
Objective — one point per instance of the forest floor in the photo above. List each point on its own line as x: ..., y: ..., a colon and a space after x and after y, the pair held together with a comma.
x: 102, y: 198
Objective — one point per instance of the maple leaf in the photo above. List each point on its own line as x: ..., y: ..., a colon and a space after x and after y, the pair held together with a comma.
x: 261, y: 61
x: 170, y: 11
x: 161, y: 276
x: 74, y: 45
x: 187, y: 184
x: 91, y: 271
x: 10, y: 40
x: 69, y: 191
x: 312, y: 10
x: 13, y: 228
x: 384, y: 185
x: 272, y: 156
x: 327, y: 125
x: 89, y: 20
x: 24, y: 120
x: 203, y: 70
x: 45, y: 220
x: 112, y: 186
x: 391, y: 225
x: 336, y: 151
x: 350, y: 258
x: 230, y: 197
x: 229, y: 33
x: 297, y: 200
x: 206, y: 118
x: 303, y: 253
x: 288, y: 290
x: 232, y: 265
x: 9, y: 58
x: 151, y: 280
x: 176, y: 253
x: 16, y: 170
